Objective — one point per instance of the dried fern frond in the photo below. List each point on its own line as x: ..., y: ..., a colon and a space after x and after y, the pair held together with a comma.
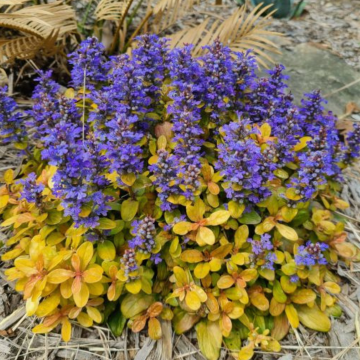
x: 167, y: 12
x: 12, y: 2
x: 40, y: 26
x: 26, y: 47
x: 41, y: 20
x: 113, y: 10
x: 240, y: 31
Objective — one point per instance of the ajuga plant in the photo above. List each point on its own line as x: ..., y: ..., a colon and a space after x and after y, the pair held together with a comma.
x: 165, y: 187
x: 30, y: 29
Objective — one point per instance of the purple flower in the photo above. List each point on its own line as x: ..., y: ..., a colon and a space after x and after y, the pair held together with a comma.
x: 353, y: 144
x: 145, y: 232
x: 89, y: 64
x: 31, y: 192
x: 156, y: 258
x: 128, y: 263
x: 311, y: 254
x: 12, y: 127
x: 262, y: 245
x: 243, y: 165
x: 262, y: 250
x: 165, y: 171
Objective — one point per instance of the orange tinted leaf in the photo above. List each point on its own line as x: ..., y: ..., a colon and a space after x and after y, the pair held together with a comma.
x: 138, y: 324
x: 213, y: 188
x: 155, y: 309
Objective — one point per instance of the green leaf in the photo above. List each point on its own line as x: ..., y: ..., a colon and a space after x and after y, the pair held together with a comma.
x: 129, y: 209
x: 106, y: 224
x: 210, y: 338
x: 106, y: 250
x: 133, y: 305
x: 54, y: 217
x: 183, y: 321
x: 251, y: 218
x: 278, y: 293
x: 117, y: 323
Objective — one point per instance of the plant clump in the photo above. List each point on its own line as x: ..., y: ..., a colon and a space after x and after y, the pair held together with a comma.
x: 164, y: 187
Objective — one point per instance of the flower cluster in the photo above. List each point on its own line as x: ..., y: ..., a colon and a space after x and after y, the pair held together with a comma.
x: 12, y: 128
x: 353, y: 140
x: 181, y: 188
x: 311, y: 254
x: 262, y: 250
x: 31, y: 192
x: 144, y: 240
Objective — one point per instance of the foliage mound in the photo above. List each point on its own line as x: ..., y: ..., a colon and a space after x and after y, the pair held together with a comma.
x: 167, y: 187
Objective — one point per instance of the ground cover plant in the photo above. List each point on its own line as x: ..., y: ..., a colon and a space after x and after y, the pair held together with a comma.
x: 165, y: 187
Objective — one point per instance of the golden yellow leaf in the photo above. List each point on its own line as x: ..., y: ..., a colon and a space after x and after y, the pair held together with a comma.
x: 314, y: 318
x: 66, y: 330
x: 84, y: 320
x: 205, y: 236
x: 225, y: 282
x: 192, y: 256
x: 155, y: 332
x: 93, y: 274
x: 218, y: 218
x: 81, y: 297
x: 196, y: 212
x: 246, y: 352
x: 182, y: 228
x: 292, y: 315
x: 303, y: 296
x: 332, y: 287
x: 60, y: 275
x: 133, y: 287
x: 192, y: 300
x: 287, y: 232
x: 201, y: 270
